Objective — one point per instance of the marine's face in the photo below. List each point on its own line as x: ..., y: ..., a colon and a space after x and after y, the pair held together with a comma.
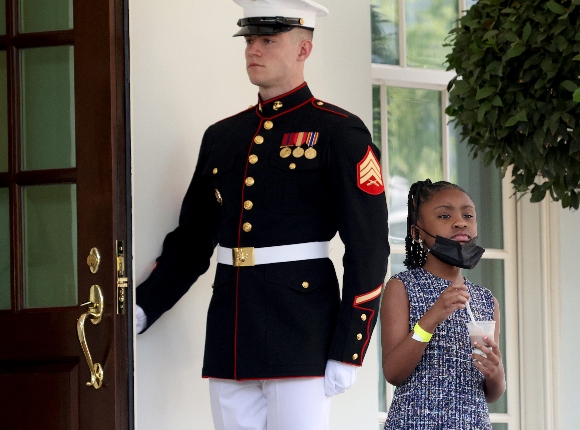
x: 271, y: 61
x: 451, y: 214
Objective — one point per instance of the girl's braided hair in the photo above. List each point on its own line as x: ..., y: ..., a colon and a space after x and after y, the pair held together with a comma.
x: 420, y: 192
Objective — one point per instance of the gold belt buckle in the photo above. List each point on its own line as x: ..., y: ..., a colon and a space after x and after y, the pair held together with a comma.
x: 243, y: 257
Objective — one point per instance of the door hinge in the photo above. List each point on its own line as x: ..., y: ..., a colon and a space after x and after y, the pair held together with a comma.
x: 121, y: 279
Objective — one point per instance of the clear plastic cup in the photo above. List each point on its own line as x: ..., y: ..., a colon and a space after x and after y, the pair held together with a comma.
x: 479, y: 330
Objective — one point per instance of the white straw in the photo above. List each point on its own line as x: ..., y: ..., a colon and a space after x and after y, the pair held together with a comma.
x: 473, y: 317
x: 470, y: 313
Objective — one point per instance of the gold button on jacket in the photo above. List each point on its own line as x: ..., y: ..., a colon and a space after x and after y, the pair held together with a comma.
x: 284, y: 319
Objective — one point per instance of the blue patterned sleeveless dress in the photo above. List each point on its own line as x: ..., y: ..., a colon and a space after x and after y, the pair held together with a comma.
x: 445, y: 391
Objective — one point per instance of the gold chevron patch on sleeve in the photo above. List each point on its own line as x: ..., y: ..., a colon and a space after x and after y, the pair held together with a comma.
x: 369, y: 173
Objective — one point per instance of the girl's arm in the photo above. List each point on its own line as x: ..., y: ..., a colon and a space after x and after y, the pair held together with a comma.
x: 401, y: 353
x: 492, y: 366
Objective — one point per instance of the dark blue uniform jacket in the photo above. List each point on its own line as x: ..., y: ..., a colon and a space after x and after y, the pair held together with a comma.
x: 283, y: 319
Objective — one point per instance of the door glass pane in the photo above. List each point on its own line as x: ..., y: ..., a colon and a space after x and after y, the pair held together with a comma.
x: 50, y: 245
x: 48, y: 116
x: 498, y: 426
x: 4, y: 250
x: 385, y: 31
x: 45, y: 15
x: 3, y: 113
x: 2, y: 17
x: 483, y: 184
x: 490, y: 274
x: 414, y: 122
x: 427, y: 23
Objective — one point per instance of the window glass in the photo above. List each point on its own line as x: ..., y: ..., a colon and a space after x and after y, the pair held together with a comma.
x: 4, y: 250
x: 2, y: 17
x: 385, y: 31
x: 48, y: 117
x: 483, y: 184
x: 50, y: 245
x: 3, y: 113
x: 427, y: 24
x: 415, y: 148
x: 45, y: 15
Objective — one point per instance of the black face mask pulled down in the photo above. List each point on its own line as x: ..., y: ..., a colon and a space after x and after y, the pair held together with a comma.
x: 465, y: 255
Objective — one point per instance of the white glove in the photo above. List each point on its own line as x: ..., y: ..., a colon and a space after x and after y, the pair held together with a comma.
x: 141, y: 319
x: 338, y: 377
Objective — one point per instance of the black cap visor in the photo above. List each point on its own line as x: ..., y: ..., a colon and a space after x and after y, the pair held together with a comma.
x: 267, y: 25
x: 249, y: 30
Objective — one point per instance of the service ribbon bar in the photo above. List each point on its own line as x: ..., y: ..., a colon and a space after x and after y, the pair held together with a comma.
x: 312, y: 139
x: 300, y: 138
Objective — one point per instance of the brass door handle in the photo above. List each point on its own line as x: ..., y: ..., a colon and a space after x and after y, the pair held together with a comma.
x: 95, y: 312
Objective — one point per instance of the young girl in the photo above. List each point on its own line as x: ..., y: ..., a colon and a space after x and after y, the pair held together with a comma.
x: 427, y: 355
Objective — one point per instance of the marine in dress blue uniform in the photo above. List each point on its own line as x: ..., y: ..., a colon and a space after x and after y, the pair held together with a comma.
x: 272, y: 186
x: 281, y: 319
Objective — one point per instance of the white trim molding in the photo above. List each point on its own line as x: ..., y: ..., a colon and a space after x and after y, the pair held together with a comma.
x: 538, y: 229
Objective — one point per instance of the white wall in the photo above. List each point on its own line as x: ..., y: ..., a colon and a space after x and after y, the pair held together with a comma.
x: 186, y: 73
x: 570, y: 287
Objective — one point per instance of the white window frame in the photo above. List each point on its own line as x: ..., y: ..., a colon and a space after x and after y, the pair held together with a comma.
x: 422, y: 78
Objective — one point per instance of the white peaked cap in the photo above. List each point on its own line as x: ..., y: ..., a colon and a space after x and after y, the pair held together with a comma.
x: 305, y: 9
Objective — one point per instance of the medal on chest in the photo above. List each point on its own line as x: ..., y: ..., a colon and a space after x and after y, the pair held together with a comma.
x: 292, y: 144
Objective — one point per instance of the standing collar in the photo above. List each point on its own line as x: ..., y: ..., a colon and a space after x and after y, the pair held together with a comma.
x: 284, y: 102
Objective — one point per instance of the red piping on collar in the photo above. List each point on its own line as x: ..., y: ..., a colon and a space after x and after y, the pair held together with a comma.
x: 285, y: 112
x: 273, y: 99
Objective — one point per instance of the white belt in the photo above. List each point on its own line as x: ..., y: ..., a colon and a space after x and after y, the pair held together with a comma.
x: 272, y: 254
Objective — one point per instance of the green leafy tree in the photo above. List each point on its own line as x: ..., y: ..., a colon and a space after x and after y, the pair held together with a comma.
x: 516, y: 95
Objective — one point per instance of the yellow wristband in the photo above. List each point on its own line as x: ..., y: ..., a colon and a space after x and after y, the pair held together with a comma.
x: 420, y: 334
